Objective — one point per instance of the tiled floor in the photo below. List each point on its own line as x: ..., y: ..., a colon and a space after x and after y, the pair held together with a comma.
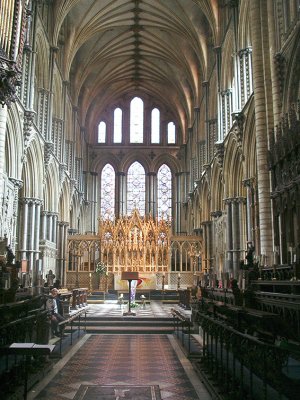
x: 153, y: 309
x: 113, y: 367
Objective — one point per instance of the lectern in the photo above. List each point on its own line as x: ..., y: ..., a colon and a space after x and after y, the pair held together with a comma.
x: 129, y: 276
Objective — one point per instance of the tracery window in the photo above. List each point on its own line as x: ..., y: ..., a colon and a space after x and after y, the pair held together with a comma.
x: 102, y: 132
x: 136, y: 120
x: 118, y: 125
x: 164, y: 192
x: 107, y: 204
x: 171, y: 133
x: 155, y: 125
x: 136, y: 188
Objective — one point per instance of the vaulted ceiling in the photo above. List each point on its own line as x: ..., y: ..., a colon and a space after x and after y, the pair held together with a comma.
x: 113, y: 48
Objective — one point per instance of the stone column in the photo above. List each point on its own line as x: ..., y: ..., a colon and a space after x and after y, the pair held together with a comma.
x: 3, y: 120
x: 54, y: 232
x: 258, y: 16
x: 50, y: 227
x: 17, y: 186
x: 235, y: 236
x: 44, y: 225
x: 178, y: 178
x: 23, y: 244
x: 36, y: 246
x: 249, y: 209
x: 229, y: 260
x: 207, y: 247
x: 61, y: 251
x: 275, y: 59
x: 94, y: 201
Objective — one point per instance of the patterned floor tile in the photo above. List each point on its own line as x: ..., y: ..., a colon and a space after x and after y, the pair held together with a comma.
x: 118, y: 362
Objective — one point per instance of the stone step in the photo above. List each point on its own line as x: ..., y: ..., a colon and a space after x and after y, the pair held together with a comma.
x: 129, y: 329
x: 128, y: 324
x: 125, y: 319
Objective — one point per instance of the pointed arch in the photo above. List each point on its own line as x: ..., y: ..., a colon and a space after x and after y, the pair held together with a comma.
x: 51, y: 189
x: 33, y: 171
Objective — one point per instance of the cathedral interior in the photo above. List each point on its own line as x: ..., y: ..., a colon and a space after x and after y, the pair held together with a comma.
x: 153, y: 143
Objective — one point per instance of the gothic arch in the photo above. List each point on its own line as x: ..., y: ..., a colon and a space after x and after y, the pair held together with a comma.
x: 108, y: 158
x: 57, y: 96
x: 205, y: 201
x: 213, y: 96
x: 33, y: 171
x: 217, y: 188
x: 51, y: 189
x: 133, y: 157
x: 42, y: 61
x: 244, y: 33
x: 233, y: 162
x: 13, y: 144
x: 249, y: 142
x: 74, y: 211
x: 170, y: 161
x: 227, y: 62
x: 64, y: 201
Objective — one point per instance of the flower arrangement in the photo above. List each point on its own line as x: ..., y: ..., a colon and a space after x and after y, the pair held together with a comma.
x: 101, y: 268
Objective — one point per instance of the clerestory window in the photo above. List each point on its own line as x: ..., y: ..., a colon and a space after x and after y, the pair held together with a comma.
x: 136, y: 120
x: 102, y: 132
x: 118, y: 125
x: 171, y: 133
x: 155, y: 126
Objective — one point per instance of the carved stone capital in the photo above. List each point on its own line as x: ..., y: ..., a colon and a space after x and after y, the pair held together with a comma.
x: 17, y: 183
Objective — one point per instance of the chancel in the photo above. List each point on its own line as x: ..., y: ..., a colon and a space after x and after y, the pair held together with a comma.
x: 149, y: 171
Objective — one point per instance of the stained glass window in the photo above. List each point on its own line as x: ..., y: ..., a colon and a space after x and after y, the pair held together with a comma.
x: 136, y: 120
x: 102, y: 132
x: 171, y: 133
x: 118, y: 125
x: 155, y: 124
x: 108, y: 192
x: 136, y: 188
x: 164, y: 192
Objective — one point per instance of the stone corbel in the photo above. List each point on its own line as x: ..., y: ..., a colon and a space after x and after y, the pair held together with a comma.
x: 216, y: 214
x: 10, y: 78
x: 219, y: 152
x: 27, y: 125
x: 62, y: 172
x: 239, y: 127
x: 48, y: 151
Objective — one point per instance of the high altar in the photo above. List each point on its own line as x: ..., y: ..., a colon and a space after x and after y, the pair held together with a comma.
x: 132, y: 243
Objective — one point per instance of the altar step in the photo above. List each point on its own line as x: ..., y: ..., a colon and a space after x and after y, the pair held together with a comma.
x: 128, y: 325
